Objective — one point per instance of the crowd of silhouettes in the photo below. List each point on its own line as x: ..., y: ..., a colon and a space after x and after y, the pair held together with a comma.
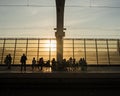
x: 66, y: 65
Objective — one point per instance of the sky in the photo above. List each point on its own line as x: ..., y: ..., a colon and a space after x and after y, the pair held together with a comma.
x: 82, y: 19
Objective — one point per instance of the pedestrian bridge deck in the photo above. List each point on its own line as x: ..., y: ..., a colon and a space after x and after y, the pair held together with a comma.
x: 97, y: 81
x: 91, y: 72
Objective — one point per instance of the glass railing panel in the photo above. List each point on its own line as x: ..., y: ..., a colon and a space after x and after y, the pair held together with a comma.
x: 22, y: 41
x: 20, y: 45
x: 32, y: 49
x: 68, y: 45
x: 78, y: 55
x: 72, y: 48
x: 32, y: 41
x: 9, y: 45
x: 1, y: 45
x: 67, y: 55
x: 10, y: 41
x: 32, y: 53
x: 68, y: 49
x: 32, y: 45
x: 70, y: 41
x: 1, y: 41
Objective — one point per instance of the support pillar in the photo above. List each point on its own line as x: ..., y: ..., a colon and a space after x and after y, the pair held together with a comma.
x: 59, y: 29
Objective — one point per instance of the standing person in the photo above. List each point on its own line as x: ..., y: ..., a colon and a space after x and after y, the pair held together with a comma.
x: 70, y: 63
x: 23, y: 62
x: 81, y: 64
x: 74, y: 64
x: 9, y: 61
x: 53, y: 64
x: 33, y: 63
x: 85, y: 64
x: 64, y: 64
x: 41, y: 63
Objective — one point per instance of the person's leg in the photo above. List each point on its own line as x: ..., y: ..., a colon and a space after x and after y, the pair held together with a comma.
x: 9, y: 65
x: 41, y: 67
x: 38, y: 66
x: 32, y: 67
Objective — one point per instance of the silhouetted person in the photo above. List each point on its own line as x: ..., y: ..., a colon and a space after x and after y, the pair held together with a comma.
x: 9, y: 61
x: 70, y: 63
x: 80, y: 63
x: 83, y: 64
x: 54, y: 64
x: 41, y: 63
x: 33, y: 63
x: 48, y: 63
x: 64, y: 64
x: 6, y: 61
x: 74, y: 64
x: 23, y: 62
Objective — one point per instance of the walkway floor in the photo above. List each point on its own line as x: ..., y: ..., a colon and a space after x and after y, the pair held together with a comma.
x: 96, y: 81
x: 16, y: 69
x: 92, y: 72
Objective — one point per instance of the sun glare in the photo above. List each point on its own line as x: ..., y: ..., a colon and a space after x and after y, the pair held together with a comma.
x: 51, y: 45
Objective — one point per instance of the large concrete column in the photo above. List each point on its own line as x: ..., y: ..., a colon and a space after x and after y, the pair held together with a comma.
x: 60, y: 27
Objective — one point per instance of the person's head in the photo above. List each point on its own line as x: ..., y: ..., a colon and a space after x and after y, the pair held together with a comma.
x: 70, y: 58
x: 53, y: 58
x: 9, y: 54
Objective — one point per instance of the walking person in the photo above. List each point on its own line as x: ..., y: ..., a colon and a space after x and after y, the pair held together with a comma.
x: 23, y: 62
